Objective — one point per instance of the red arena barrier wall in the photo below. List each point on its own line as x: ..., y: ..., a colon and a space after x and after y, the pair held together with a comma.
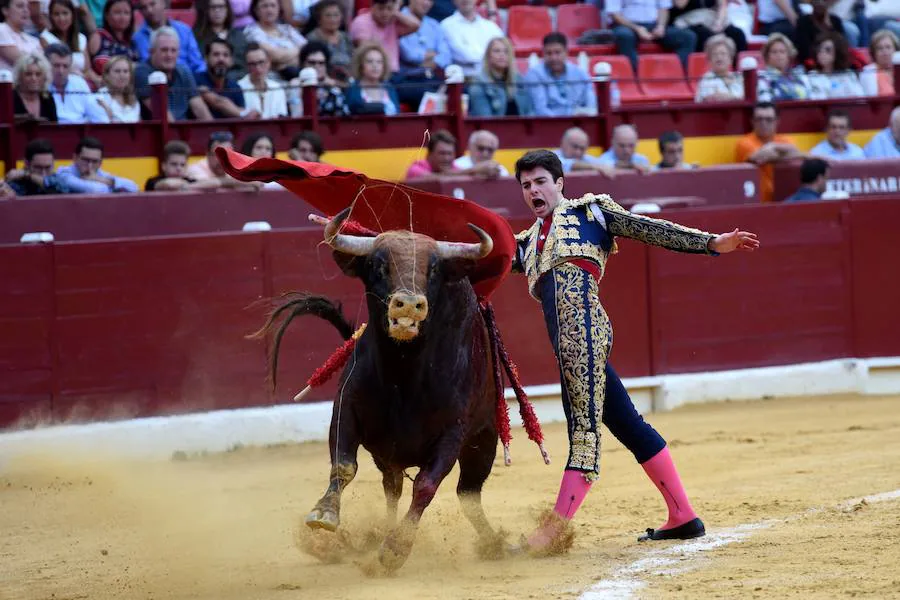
x: 118, y: 328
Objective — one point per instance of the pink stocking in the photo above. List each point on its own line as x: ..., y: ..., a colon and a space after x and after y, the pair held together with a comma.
x: 661, y: 470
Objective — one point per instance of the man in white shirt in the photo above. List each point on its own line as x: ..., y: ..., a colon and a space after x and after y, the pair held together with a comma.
x: 835, y: 145
x: 262, y: 93
x: 75, y: 103
x: 469, y: 34
x: 573, y: 154
x: 482, y: 146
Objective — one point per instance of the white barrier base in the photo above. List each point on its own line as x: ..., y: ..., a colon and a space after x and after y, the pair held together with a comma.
x: 218, y: 431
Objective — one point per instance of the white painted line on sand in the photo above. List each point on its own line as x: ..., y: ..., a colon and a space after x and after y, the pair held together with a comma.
x: 680, y: 558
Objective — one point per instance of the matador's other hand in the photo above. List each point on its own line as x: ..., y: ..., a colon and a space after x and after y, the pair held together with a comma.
x: 735, y: 240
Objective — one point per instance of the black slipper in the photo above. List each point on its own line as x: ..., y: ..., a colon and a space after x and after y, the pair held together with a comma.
x: 691, y: 529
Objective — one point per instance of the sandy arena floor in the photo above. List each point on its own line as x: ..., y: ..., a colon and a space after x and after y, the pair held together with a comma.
x: 222, y: 527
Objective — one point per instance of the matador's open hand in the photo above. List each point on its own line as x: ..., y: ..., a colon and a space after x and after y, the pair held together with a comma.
x: 735, y: 240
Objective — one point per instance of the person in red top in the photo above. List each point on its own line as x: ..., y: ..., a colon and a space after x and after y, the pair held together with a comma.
x: 563, y: 255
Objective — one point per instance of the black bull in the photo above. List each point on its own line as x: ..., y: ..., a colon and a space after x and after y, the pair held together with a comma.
x: 419, y: 389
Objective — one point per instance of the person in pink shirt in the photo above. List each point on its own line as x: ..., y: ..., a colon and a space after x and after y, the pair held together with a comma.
x: 438, y: 163
x: 384, y: 24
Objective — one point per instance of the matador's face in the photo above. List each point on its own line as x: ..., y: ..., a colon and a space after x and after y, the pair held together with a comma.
x: 540, y: 191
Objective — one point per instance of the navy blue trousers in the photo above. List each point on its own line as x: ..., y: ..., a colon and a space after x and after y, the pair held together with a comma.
x: 592, y: 392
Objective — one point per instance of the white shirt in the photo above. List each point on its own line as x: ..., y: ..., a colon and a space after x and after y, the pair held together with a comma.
x: 836, y: 85
x: 465, y: 162
x: 711, y: 84
x: 271, y: 103
x: 77, y: 53
x: 75, y: 103
x: 826, y: 150
x: 27, y: 44
x: 469, y: 40
x: 769, y: 11
x: 120, y: 112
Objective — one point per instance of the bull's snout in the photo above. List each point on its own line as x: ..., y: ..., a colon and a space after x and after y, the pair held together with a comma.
x: 405, y: 313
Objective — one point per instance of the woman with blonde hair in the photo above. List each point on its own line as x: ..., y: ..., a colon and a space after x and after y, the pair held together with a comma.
x: 370, y: 93
x: 878, y: 78
x: 720, y: 83
x: 779, y: 80
x: 496, y: 90
x: 31, y: 98
x: 117, y: 96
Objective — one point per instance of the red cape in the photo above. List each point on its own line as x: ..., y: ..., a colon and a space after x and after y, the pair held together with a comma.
x: 384, y: 206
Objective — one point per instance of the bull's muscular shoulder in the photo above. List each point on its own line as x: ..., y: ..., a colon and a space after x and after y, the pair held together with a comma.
x: 604, y: 201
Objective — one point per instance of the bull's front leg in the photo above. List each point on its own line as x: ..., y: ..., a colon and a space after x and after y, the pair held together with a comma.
x: 344, y: 445
x: 396, y: 547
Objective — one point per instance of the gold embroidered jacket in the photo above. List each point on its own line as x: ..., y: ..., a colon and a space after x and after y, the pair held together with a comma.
x: 577, y: 232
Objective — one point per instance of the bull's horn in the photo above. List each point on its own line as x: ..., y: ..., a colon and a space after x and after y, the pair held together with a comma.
x: 464, y: 250
x: 348, y: 244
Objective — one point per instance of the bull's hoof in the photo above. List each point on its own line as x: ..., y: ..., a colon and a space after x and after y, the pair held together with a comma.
x: 323, y: 518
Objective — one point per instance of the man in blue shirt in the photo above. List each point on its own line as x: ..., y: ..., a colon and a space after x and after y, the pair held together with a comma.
x: 183, y: 94
x: 424, y: 54
x: 886, y: 143
x: 84, y: 175
x: 557, y: 87
x: 622, y: 154
x: 154, y: 12
x: 573, y: 154
x: 813, y: 179
x: 835, y: 145
x: 222, y: 95
x: 37, y: 177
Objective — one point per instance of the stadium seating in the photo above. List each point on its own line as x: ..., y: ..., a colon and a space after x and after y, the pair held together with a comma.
x: 574, y: 19
x: 697, y: 67
x: 661, y: 77
x: 623, y: 74
x: 528, y: 25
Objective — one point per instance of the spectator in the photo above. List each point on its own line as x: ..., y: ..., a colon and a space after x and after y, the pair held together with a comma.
x: 306, y: 147
x: 886, y: 143
x: 832, y: 77
x: 778, y: 81
x: 878, y: 78
x: 444, y: 8
x: 296, y: 13
x: 810, y: 27
x: 215, y: 21
x: 835, y: 145
x: 720, y: 83
x: 573, y: 154
x: 172, y: 177
x: 31, y: 99
x: 496, y: 90
x: 329, y: 95
x: 483, y: 146
x: 776, y: 16
x: 37, y: 177
x: 558, y: 88
x: 439, y: 161
x: 384, y: 24
x: 6, y: 192
x: 210, y: 169
x: 84, y: 175
x: 469, y: 34
x: 14, y: 42
x: 243, y: 14
x: 706, y: 18
x: 671, y: 147
x: 261, y: 145
x: 154, y: 12
x: 329, y: 18
x: 622, y: 155
x: 71, y: 93
x: 764, y: 147
x: 63, y: 29
x: 424, y: 54
x: 262, y: 92
x: 645, y: 21
x: 370, y: 93
x: 92, y: 12
x: 183, y: 94
x: 813, y: 180
x: 281, y: 42
x: 883, y: 14
x: 219, y: 91
x: 116, y: 36
x: 118, y: 96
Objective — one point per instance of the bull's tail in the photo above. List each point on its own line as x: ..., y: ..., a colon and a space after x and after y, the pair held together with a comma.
x: 295, y: 304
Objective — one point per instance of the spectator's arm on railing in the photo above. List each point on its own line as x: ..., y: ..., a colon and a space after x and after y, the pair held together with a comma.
x: 199, y: 108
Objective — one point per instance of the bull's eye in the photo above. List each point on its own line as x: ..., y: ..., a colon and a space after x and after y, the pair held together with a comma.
x: 398, y: 303
x: 420, y: 306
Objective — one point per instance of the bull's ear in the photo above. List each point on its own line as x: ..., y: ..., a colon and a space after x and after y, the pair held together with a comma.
x: 455, y: 269
x: 348, y: 263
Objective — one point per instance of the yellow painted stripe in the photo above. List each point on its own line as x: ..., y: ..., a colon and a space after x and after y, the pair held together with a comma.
x: 391, y: 163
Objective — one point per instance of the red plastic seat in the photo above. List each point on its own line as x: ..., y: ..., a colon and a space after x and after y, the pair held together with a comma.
x: 574, y: 19
x: 528, y: 25
x: 662, y: 77
x: 510, y: 3
x: 623, y: 75
x: 522, y: 65
x: 697, y: 67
